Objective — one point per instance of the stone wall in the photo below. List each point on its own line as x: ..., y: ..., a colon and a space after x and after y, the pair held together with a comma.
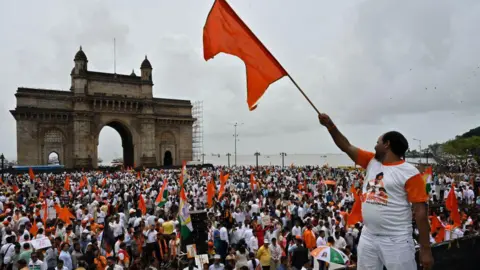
x: 108, y: 88
x: 27, y: 143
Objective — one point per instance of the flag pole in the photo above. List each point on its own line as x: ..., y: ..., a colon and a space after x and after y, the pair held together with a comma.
x: 303, y: 93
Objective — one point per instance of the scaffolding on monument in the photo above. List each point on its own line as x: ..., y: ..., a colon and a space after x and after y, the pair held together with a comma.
x: 197, y: 131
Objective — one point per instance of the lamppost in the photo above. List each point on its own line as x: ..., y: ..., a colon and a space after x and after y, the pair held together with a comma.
x: 235, y: 136
x: 203, y: 158
x: 256, y: 157
x: 228, y: 156
x: 419, y: 147
x: 2, y: 159
x: 283, y: 154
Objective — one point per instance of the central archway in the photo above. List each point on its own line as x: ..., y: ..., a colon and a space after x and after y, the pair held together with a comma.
x: 168, y: 159
x: 127, y: 142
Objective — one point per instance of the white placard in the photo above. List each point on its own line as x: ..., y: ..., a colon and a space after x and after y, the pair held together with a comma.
x: 41, y: 243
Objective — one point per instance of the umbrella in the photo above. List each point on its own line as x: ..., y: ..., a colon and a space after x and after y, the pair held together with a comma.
x: 329, y: 254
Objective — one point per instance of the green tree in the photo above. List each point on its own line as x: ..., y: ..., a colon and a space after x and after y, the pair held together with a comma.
x: 463, y: 146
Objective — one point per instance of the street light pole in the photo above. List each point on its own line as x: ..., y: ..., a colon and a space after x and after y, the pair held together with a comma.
x: 203, y: 158
x: 283, y: 154
x: 228, y: 156
x: 2, y: 159
x: 256, y: 157
x: 235, y: 136
x: 420, y: 147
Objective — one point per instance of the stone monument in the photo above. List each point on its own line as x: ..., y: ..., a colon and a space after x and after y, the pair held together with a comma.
x: 154, y: 131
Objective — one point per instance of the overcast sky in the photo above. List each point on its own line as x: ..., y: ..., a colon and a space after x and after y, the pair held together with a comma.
x: 372, y: 65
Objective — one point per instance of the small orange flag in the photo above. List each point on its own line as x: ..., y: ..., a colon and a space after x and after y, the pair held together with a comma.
x: 83, y: 182
x: 142, y: 205
x: 252, y: 181
x: 356, y: 213
x: 66, y: 186
x: 210, y: 192
x: 452, y: 205
x: 31, y: 174
x: 45, y: 212
x: 34, y: 228
x: 223, y: 181
x: 225, y: 32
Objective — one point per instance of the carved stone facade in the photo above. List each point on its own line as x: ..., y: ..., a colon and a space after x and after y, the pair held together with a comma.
x: 154, y: 131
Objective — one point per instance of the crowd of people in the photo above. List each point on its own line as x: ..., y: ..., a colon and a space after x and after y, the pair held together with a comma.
x: 259, y: 218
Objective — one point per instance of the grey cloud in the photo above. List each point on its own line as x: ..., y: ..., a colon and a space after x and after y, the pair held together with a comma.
x: 371, y: 64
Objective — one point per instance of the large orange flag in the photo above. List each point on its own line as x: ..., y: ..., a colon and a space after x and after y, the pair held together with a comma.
x: 452, y: 205
x: 225, y: 32
x: 65, y: 215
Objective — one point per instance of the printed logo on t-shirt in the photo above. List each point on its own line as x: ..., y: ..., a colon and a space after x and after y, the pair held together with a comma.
x: 376, y: 193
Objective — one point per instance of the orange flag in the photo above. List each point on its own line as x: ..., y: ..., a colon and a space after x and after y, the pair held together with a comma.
x: 183, y: 175
x: 66, y: 186
x: 65, y: 215
x: 34, y: 228
x: 1, y: 181
x: 83, y: 182
x: 32, y: 175
x: 142, y: 205
x: 225, y: 32
x: 252, y: 181
x: 452, y: 205
x: 45, y: 212
x: 356, y: 213
x: 210, y: 193
x: 223, y: 181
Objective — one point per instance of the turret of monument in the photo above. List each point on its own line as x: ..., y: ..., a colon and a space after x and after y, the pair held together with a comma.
x: 146, y: 77
x: 79, y: 73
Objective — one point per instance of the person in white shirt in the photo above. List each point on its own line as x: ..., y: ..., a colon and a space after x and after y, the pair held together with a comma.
x: 65, y: 256
x: 8, y: 250
x: 340, y: 242
x: 253, y: 263
x: 35, y: 263
x: 151, y: 240
x: 297, y: 230
x: 253, y: 243
x: 217, y: 265
x: 321, y: 239
x: 239, y: 216
x: 275, y: 254
x: 112, y: 264
x: 60, y: 265
x: 391, y: 188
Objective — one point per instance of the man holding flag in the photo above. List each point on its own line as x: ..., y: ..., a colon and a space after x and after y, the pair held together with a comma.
x: 390, y: 188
